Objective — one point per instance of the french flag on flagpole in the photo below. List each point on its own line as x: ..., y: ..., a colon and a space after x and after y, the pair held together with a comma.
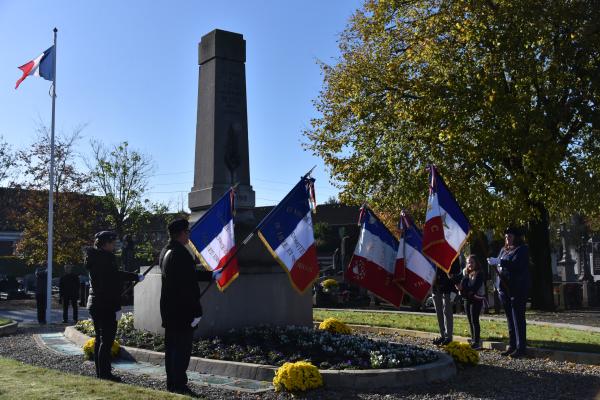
x: 446, y: 227
x: 373, y: 263
x: 42, y: 65
x: 287, y: 232
x: 414, y: 271
x: 212, y: 240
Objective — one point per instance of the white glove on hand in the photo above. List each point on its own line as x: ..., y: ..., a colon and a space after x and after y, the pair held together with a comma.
x: 196, y: 321
x: 493, y: 261
x: 118, y: 315
x: 140, y: 277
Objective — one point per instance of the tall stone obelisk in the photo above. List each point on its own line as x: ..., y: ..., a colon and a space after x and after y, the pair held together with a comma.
x: 222, y: 123
x: 262, y: 294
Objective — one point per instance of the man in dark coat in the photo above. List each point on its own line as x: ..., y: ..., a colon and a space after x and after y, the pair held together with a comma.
x: 69, y: 292
x: 180, y: 307
x: 104, y: 301
x: 41, y: 291
x: 513, y: 284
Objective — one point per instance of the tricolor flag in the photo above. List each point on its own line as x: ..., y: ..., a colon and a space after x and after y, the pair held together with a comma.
x: 414, y: 271
x: 446, y: 228
x: 373, y: 263
x: 212, y: 239
x: 42, y: 66
x: 287, y: 232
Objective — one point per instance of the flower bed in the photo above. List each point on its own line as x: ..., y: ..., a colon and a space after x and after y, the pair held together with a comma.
x: 278, y: 345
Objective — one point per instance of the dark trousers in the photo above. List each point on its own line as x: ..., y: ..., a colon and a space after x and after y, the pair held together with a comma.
x: 473, y: 309
x: 40, y: 302
x: 73, y: 302
x: 106, y: 330
x: 178, y: 350
x: 514, y: 308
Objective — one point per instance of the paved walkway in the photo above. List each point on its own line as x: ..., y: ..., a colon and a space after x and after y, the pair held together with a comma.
x: 530, y: 321
x: 26, y: 316
x: 58, y: 343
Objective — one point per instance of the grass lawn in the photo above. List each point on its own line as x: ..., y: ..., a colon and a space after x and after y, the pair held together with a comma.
x: 4, y: 321
x: 22, y: 381
x: 537, y: 335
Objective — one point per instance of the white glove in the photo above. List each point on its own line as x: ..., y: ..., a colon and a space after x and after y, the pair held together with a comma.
x: 196, y: 321
x: 493, y: 261
x: 118, y: 315
x: 140, y: 277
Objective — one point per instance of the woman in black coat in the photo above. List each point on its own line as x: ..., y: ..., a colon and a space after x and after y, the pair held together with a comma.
x: 472, y: 289
x: 513, y: 285
x: 104, y: 301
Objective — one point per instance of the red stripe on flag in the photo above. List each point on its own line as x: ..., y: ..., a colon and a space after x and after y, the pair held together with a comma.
x: 26, y: 68
x: 374, y: 278
x: 416, y: 286
x: 305, y: 270
x: 442, y: 255
x: 231, y: 272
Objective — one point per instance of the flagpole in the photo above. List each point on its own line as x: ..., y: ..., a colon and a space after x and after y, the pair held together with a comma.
x: 51, y: 195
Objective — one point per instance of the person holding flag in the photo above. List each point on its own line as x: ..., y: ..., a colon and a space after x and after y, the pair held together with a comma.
x: 180, y: 308
x: 445, y: 233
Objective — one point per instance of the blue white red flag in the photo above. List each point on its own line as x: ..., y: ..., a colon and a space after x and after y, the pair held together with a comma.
x: 42, y: 65
x: 414, y: 271
x: 373, y: 263
x: 446, y: 227
x: 287, y: 232
x: 213, y: 241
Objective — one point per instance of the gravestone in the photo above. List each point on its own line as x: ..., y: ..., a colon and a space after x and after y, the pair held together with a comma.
x: 262, y: 294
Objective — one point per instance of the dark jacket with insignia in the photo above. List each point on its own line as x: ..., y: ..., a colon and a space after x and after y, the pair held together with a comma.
x: 180, y: 293
x: 514, y: 279
x: 105, y: 280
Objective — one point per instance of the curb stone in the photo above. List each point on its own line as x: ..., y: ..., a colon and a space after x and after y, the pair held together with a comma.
x: 555, y: 355
x: 9, y: 329
x: 440, y: 370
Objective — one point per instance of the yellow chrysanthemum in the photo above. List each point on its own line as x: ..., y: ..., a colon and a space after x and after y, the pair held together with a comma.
x: 298, y: 376
x: 88, y: 349
x: 334, y: 325
x: 462, y: 353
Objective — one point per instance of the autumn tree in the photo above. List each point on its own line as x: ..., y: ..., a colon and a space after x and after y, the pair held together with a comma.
x: 501, y: 95
x: 8, y: 160
x: 74, y: 210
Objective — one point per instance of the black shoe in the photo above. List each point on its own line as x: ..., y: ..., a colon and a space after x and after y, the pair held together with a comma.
x: 446, y: 342
x: 518, y: 354
x: 475, y: 344
x: 507, y: 352
x: 112, y: 378
x: 437, y: 341
x: 65, y: 321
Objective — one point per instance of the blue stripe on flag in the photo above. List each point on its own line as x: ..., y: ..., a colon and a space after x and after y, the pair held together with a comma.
x: 376, y: 227
x: 447, y: 201
x: 414, y: 238
x: 211, y: 224
x: 46, y: 67
x: 284, y: 218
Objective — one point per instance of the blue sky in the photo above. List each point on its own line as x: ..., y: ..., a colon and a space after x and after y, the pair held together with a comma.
x: 129, y: 70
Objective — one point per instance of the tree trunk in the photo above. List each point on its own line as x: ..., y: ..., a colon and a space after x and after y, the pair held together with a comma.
x: 538, y: 238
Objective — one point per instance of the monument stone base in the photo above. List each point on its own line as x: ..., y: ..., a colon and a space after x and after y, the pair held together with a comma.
x: 257, y: 298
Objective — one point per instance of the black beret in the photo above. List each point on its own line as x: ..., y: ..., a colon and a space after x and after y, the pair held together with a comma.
x: 513, y: 230
x: 106, y: 236
x: 178, y: 225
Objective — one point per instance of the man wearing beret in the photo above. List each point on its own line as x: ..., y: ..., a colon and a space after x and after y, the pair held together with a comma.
x: 180, y: 307
x: 104, y: 301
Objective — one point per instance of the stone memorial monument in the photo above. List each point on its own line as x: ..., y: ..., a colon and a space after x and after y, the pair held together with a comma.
x: 262, y: 294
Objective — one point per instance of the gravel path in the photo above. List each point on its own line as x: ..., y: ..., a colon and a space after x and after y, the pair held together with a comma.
x: 495, y: 378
